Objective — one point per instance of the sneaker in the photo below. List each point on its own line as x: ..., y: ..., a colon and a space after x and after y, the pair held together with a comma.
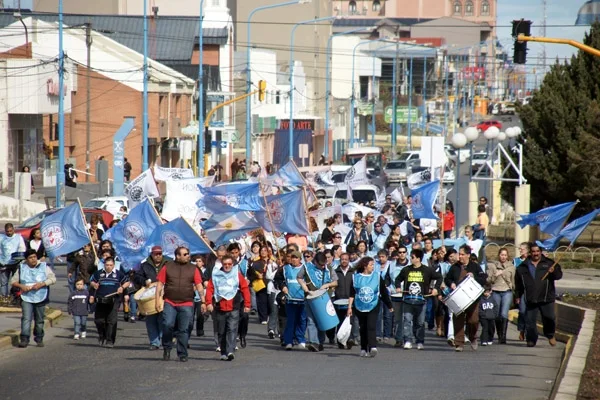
x: 490, y: 343
x: 152, y: 347
x: 379, y: 340
x: 263, y: 323
x: 467, y: 340
x: 22, y: 345
x: 108, y: 345
x: 40, y: 344
x: 420, y: 346
x: 350, y: 343
x: 458, y: 348
x: 312, y: 347
x: 223, y: 357
x: 230, y: 357
x: 363, y: 353
x: 271, y: 334
x: 530, y: 344
x: 76, y: 336
x: 166, y: 354
x: 407, y: 345
x: 552, y: 341
x: 474, y: 344
x: 484, y: 343
x: 83, y: 335
x: 132, y: 320
x: 451, y: 341
x: 218, y: 349
x: 302, y: 345
x: 183, y: 358
x: 288, y: 347
x: 373, y: 352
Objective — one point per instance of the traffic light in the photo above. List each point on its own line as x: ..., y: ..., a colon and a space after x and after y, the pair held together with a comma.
x: 262, y: 88
x: 520, y: 27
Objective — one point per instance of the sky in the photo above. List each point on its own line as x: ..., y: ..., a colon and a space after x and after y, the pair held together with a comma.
x: 560, y: 23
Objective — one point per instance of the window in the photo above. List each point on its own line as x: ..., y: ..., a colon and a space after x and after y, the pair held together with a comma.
x: 485, y: 8
x: 457, y: 8
x: 352, y: 7
x: 216, y: 3
x: 376, y: 5
x: 469, y: 9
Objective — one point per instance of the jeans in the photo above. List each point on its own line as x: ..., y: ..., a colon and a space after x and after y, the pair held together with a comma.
x: 295, y: 326
x: 228, y: 327
x: 430, y: 313
x: 367, y: 322
x: 385, y: 318
x: 273, y: 313
x: 176, y: 318
x: 522, y: 313
x: 31, y: 311
x: 4, y: 278
x: 504, y: 301
x: 414, y: 322
x: 154, y: 328
x: 315, y: 335
x: 487, y: 330
x: 398, y: 320
x: 132, y: 306
x: 548, y: 321
x: 80, y: 322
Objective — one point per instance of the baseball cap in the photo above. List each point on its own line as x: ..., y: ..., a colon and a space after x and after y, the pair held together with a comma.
x: 156, y: 249
x: 296, y: 254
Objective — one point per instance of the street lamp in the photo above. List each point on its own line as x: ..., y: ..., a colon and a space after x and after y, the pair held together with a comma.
x: 291, y: 127
x: 60, y: 169
x: 200, y: 155
x: 459, y: 140
x: 472, y: 134
x: 490, y: 134
x: 249, y: 70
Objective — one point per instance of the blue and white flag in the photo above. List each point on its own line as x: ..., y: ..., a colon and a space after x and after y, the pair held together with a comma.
x: 288, y: 175
x: 221, y: 228
x: 423, y: 200
x: 64, y: 231
x: 231, y: 198
x: 550, y: 219
x: 570, y: 232
x: 287, y: 213
x: 174, y: 234
x: 588, y: 13
x: 129, y: 236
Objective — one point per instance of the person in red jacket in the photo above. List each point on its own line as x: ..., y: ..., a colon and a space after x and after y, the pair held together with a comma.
x: 449, y: 220
x: 225, y: 289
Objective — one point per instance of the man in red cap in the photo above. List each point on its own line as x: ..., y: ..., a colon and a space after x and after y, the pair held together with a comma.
x: 145, y: 276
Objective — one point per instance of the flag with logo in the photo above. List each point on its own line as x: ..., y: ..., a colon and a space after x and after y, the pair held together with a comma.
x: 221, y: 228
x: 286, y: 212
x: 570, y: 232
x: 588, y: 13
x: 357, y: 174
x: 141, y: 188
x: 550, y: 219
x: 423, y: 200
x: 130, y: 235
x: 182, y: 198
x: 64, y: 231
x: 174, y: 234
x: 288, y: 175
x: 422, y: 177
x: 172, y: 174
x: 232, y: 197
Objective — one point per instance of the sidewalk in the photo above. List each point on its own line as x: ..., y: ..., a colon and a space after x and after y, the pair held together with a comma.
x: 10, y: 326
x: 579, y: 281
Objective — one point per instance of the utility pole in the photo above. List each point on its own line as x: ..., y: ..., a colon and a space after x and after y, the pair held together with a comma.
x: 544, y: 8
x: 88, y: 43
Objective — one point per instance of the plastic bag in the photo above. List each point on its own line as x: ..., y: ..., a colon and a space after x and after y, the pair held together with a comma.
x: 343, y: 333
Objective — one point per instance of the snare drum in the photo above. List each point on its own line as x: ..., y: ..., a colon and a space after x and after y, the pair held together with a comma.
x: 463, y: 296
x: 341, y: 304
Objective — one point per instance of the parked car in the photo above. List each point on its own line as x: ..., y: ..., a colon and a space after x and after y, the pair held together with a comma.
x: 484, y: 125
x: 479, y: 159
x: 449, y: 178
x: 362, y: 194
x: 30, y: 224
x: 508, y: 109
x: 398, y: 170
x: 410, y: 155
x: 452, y: 153
x: 111, y: 204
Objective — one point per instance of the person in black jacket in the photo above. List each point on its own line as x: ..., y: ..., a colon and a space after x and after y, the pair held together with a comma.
x: 535, y: 279
x: 457, y: 273
x: 342, y: 292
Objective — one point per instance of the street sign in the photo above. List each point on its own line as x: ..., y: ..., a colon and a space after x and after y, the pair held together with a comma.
x: 401, y: 115
x: 435, y: 129
x: 223, y: 144
x: 214, y: 143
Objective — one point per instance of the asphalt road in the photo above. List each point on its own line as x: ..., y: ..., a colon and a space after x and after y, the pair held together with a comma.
x: 66, y: 369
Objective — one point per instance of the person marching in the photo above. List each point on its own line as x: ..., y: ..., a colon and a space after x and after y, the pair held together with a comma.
x: 32, y: 278
x: 226, y: 285
x: 457, y: 273
x: 78, y: 307
x: 287, y: 281
x: 312, y: 277
x: 342, y: 292
x: 417, y: 280
x: 176, y: 282
x: 107, y: 286
x: 368, y: 288
x: 535, y: 279
x: 488, y: 316
x: 501, y: 277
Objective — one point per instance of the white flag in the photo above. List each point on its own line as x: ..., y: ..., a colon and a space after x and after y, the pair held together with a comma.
x: 357, y: 174
x: 141, y: 188
x: 397, y: 195
x: 182, y: 196
x: 167, y: 174
x: 323, y: 214
x: 422, y: 177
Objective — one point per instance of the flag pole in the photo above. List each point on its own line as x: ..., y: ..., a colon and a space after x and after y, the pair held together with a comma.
x: 312, y: 239
x: 200, y: 236
x: 303, y: 179
x: 87, y: 230
x: 267, y: 210
x: 551, y: 269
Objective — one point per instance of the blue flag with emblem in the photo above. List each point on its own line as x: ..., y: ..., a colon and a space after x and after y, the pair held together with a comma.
x: 588, y: 13
x: 221, y: 228
x: 64, y: 231
x: 288, y: 175
x: 550, y: 219
x: 231, y: 198
x: 130, y: 235
x: 174, y: 234
x: 287, y: 214
x: 570, y: 232
x: 423, y: 199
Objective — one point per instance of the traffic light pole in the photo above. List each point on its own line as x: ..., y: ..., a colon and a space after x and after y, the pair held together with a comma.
x: 242, y: 97
x: 580, y: 46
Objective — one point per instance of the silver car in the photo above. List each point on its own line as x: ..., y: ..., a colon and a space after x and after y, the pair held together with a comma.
x: 398, y: 170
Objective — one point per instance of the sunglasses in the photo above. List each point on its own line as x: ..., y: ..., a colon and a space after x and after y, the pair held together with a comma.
x: 308, y: 256
x: 377, y: 226
x: 184, y: 254
x: 401, y: 252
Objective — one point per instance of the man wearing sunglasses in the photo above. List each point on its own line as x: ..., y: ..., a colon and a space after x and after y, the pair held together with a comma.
x: 176, y: 283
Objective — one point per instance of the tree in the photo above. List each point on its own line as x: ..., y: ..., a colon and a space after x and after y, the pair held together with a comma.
x: 561, y: 133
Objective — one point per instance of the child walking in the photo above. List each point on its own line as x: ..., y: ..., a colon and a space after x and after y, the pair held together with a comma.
x: 488, y: 312
x: 78, y: 308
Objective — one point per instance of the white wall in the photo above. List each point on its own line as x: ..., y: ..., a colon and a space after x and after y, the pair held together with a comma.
x: 9, y: 209
x: 341, y: 65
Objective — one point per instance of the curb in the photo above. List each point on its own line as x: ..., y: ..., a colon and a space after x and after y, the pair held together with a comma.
x: 10, y: 338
